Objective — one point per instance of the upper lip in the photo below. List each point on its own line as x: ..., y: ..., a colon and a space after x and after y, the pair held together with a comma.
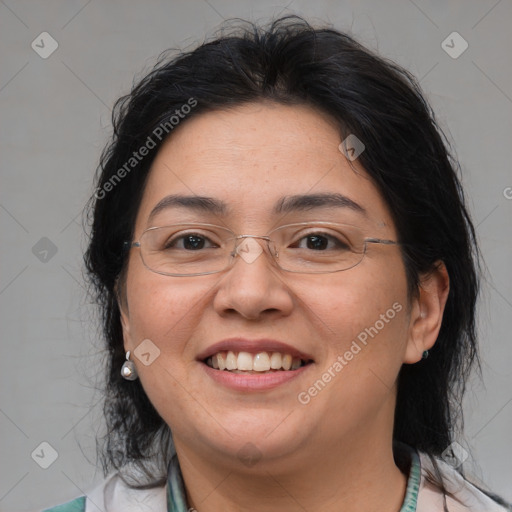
x: 252, y: 346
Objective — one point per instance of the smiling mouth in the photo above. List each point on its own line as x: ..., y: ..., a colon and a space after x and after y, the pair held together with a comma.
x: 258, y: 363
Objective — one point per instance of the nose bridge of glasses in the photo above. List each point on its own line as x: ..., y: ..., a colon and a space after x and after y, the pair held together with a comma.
x: 250, y: 247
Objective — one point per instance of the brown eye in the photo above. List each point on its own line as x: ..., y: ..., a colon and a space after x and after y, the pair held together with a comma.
x: 322, y: 242
x: 193, y: 242
x: 317, y: 242
x: 189, y: 242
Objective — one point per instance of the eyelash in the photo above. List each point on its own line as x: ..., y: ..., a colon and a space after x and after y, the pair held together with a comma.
x: 338, y: 242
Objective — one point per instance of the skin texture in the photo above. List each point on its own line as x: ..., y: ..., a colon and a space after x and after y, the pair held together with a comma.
x: 334, y: 453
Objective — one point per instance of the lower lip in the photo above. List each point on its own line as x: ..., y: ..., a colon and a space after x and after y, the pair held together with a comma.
x: 252, y: 381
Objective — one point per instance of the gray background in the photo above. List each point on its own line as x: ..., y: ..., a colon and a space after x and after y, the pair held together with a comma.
x: 55, y: 120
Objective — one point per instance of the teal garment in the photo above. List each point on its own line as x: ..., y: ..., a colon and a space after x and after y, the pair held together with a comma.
x: 177, y: 501
x: 76, y: 505
x: 413, y: 482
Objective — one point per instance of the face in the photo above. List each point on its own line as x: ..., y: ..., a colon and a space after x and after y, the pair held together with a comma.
x: 353, y: 327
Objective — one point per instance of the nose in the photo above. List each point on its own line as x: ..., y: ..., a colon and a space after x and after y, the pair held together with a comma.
x: 253, y: 286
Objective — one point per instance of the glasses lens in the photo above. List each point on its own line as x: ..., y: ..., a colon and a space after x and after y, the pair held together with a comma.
x: 318, y: 247
x: 195, y: 249
x: 187, y: 249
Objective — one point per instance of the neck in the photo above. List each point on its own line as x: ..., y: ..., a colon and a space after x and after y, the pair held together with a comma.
x: 348, y: 476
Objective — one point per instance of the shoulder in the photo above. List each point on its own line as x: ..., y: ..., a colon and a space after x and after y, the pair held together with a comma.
x: 463, y: 495
x: 114, y: 494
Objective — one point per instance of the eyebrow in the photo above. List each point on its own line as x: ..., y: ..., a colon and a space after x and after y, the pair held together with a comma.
x: 283, y: 205
x: 311, y: 201
x: 195, y: 203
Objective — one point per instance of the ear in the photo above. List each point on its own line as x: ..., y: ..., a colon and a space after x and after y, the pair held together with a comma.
x: 427, y: 310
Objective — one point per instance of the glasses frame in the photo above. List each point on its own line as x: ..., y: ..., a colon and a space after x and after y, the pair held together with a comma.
x: 274, y: 257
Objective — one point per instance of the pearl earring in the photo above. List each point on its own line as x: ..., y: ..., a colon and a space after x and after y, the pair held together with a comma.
x: 128, y: 371
x: 425, y: 354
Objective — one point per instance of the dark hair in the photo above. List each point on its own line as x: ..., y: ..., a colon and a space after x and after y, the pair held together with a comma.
x: 290, y: 62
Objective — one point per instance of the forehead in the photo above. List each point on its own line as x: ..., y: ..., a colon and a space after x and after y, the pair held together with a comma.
x: 252, y: 156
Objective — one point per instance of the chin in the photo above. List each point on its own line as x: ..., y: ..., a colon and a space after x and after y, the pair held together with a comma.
x: 264, y: 437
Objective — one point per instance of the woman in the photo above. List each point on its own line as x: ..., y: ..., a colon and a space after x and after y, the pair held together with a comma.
x: 288, y: 276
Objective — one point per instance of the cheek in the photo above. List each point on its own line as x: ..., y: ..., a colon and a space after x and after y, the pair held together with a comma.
x: 366, y: 302
x: 368, y: 325
x: 164, y: 310
x: 367, y: 331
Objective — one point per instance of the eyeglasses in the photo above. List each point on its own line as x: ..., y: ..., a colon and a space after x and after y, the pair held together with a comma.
x: 201, y: 249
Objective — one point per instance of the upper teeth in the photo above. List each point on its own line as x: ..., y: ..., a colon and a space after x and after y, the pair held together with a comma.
x: 260, y: 362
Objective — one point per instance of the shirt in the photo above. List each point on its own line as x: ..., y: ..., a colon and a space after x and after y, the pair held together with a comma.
x: 113, y: 495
